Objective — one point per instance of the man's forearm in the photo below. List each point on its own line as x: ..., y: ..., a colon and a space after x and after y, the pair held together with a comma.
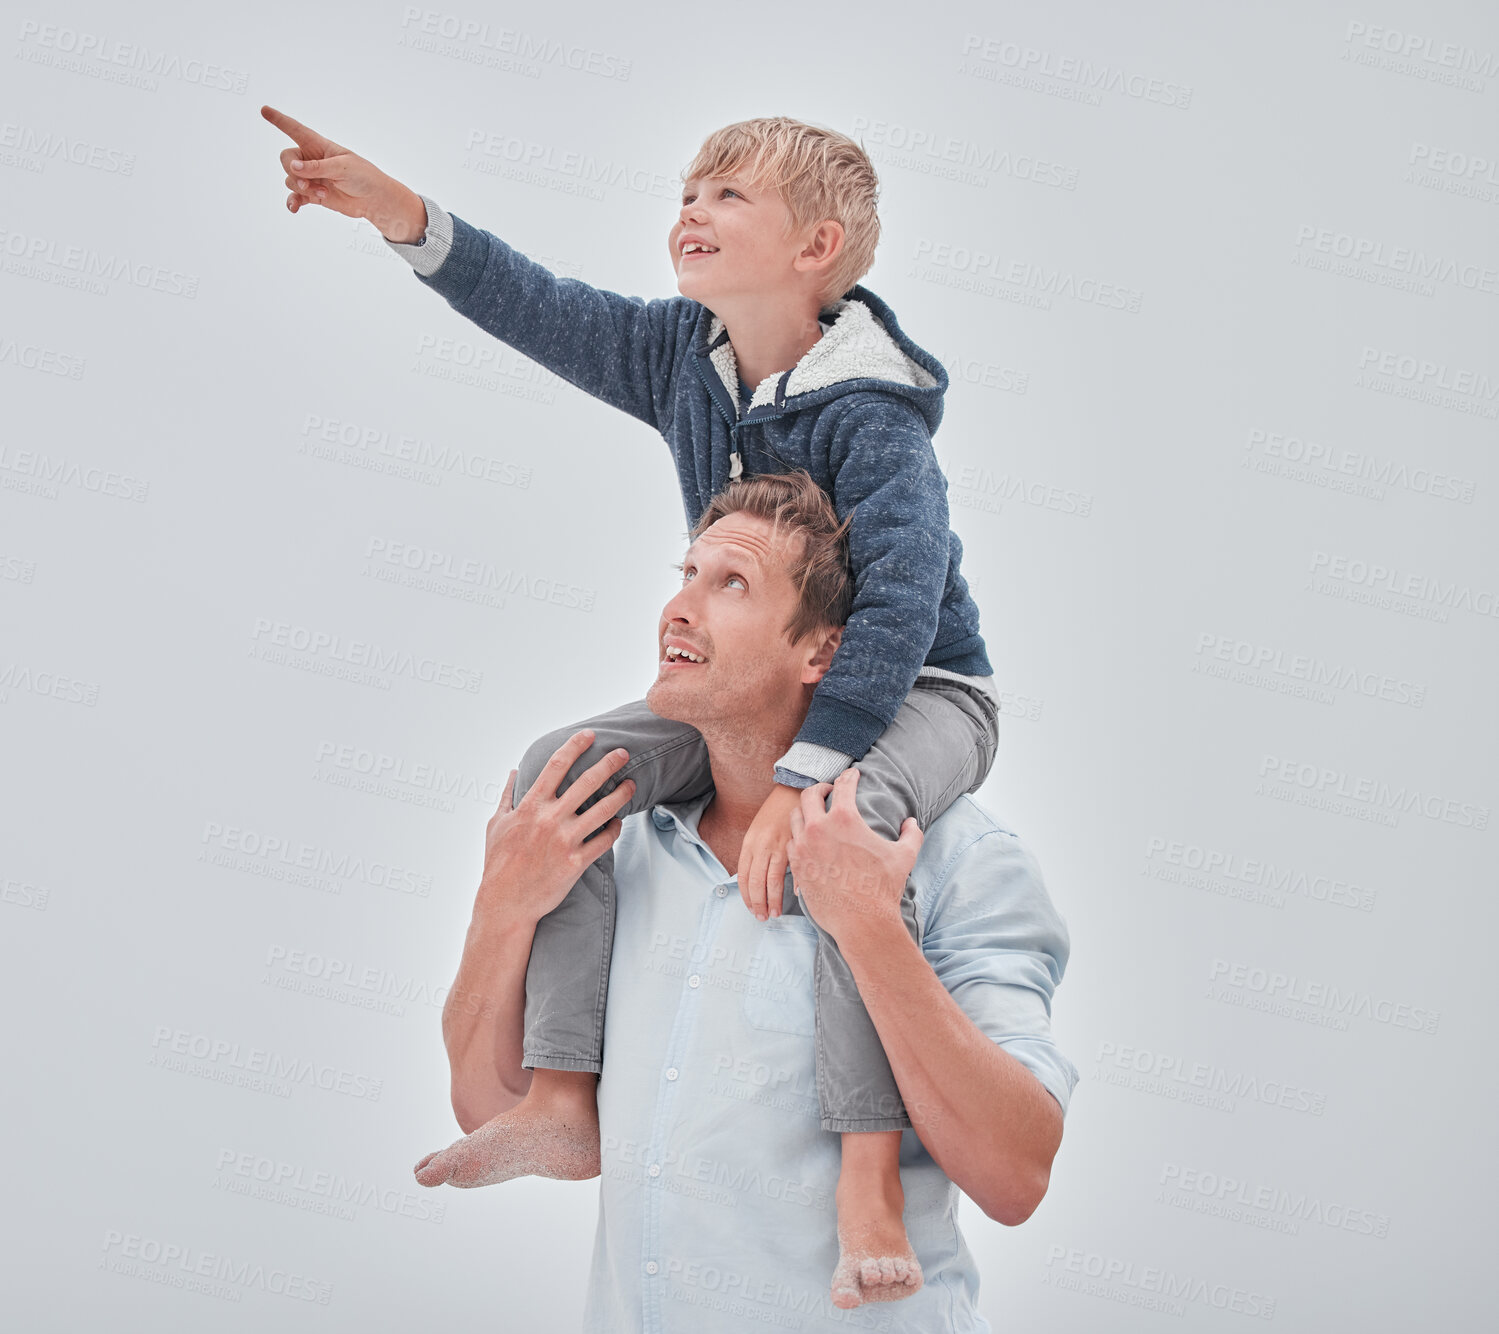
x: 987, y: 1121
x: 483, y: 1019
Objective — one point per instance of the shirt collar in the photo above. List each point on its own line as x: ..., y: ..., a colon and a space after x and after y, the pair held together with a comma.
x: 685, y: 815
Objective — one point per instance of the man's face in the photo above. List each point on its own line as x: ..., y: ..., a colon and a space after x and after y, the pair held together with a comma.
x: 746, y: 228
x: 736, y: 597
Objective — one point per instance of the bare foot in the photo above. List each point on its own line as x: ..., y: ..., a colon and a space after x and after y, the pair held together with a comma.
x: 552, y: 1132
x: 875, y: 1259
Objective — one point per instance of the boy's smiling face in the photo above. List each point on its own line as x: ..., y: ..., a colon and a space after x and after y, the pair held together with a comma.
x: 745, y: 227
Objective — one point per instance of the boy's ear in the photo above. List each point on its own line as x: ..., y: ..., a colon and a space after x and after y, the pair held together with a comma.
x: 823, y: 245
x: 818, y: 664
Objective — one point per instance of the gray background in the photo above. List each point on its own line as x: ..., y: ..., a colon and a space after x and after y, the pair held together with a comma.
x: 1270, y: 457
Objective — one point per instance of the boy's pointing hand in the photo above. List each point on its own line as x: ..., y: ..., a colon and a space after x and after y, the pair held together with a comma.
x: 319, y: 171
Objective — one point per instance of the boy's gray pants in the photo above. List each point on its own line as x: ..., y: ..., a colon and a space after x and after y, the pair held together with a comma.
x: 941, y: 744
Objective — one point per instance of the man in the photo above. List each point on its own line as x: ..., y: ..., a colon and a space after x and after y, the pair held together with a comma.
x: 717, y: 1203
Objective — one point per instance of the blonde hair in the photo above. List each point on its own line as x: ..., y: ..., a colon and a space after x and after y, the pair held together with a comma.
x: 793, y: 502
x: 818, y: 172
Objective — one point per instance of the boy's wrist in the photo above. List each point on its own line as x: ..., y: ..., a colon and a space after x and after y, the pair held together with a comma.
x: 404, y: 220
x: 429, y: 251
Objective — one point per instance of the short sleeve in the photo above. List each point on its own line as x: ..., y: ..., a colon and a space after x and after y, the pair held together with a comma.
x: 998, y: 944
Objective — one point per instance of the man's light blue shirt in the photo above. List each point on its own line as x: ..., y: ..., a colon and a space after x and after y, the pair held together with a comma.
x: 716, y: 1204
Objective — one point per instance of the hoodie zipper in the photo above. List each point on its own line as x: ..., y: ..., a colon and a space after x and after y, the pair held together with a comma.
x: 719, y: 394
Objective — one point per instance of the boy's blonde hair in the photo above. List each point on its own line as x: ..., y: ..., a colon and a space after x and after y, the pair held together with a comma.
x: 818, y: 172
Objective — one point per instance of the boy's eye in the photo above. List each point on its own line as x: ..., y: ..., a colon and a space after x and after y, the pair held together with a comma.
x: 728, y: 190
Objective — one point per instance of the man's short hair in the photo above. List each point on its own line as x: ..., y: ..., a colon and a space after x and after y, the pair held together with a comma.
x: 793, y: 503
x: 818, y: 172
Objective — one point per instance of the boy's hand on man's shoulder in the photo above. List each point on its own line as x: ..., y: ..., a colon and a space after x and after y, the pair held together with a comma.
x: 762, y: 858
x: 319, y: 171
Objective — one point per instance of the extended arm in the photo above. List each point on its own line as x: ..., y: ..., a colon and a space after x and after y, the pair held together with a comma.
x: 619, y: 349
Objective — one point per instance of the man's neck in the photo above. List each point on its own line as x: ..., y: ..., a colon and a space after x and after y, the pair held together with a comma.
x: 770, y: 337
x: 743, y: 766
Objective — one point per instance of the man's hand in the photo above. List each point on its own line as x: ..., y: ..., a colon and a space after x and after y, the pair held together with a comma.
x: 762, y: 857
x: 319, y: 171
x: 535, y: 852
x: 847, y: 875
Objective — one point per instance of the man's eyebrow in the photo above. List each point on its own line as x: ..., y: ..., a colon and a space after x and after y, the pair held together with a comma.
x: 746, y: 556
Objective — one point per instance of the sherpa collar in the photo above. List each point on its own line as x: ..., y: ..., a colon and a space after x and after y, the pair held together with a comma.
x: 855, y: 345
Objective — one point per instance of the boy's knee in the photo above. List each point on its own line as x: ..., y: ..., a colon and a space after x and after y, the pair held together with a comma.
x: 539, y: 754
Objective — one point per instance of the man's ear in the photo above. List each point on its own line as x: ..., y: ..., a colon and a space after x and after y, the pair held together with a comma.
x: 826, y: 645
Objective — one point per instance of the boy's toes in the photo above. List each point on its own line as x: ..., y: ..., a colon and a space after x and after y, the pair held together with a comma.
x: 434, y: 1169
x: 846, y: 1294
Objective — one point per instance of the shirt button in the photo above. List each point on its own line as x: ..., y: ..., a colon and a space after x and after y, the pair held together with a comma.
x: 694, y: 981
x: 651, y: 1266
x: 654, y: 1169
x: 721, y: 890
x: 672, y: 1073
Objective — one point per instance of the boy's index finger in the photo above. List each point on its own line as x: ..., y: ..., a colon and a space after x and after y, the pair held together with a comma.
x: 309, y: 140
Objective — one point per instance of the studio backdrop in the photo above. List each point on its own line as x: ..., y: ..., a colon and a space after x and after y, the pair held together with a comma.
x: 295, y: 562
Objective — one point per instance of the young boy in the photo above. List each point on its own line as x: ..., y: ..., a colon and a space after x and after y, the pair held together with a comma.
x: 771, y: 359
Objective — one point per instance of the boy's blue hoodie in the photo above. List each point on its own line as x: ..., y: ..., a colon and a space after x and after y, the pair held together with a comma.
x: 857, y: 412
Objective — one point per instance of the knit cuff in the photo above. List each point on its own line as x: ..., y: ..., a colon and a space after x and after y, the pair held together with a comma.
x: 806, y: 764
x: 428, y: 251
